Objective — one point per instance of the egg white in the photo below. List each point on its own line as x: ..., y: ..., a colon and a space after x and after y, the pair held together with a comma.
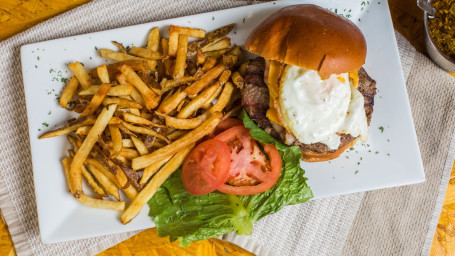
x: 315, y: 110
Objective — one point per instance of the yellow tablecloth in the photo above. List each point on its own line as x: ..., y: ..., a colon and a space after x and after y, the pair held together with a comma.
x: 18, y: 15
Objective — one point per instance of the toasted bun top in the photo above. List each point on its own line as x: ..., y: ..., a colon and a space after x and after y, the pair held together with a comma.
x: 310, y: 37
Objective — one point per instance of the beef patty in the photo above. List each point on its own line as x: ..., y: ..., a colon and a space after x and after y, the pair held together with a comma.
x: 255, y: 100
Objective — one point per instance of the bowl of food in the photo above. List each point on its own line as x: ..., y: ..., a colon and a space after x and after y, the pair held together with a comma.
x: 440, y: 34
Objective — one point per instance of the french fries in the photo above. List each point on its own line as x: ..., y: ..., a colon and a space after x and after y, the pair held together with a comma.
x: 150, y: 98
x: 208, y: 77
x: 149, y: 190
x: 191, y: 137
x: 198, y: 101
x: 141, y: 115
x: 89, y: 142
x: 154, y: 39
x: 145, y: 53
x: 69, y: 92
x: 180, y: 62
x: 81, y: 73
x: 96, y: 100
x: 118, y: 90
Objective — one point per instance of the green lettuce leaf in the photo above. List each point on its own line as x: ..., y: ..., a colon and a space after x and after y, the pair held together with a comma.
x: 190, y: 218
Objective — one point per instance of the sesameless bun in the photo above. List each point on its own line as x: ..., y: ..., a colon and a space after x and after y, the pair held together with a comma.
x: 311, y: 37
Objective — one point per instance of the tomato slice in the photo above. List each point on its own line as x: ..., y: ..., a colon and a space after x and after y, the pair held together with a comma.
x: 206, y: 167
x: 250, y: 170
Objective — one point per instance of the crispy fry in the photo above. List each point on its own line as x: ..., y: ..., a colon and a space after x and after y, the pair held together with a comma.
x: 164, y: 46
x: 198, y: 101
x: 92, y: 182
x: 237, y: 79
x: 69, y: 92
x: 152, y: 169
x: 126, y: 143
x: 230, y: 60
x: 70, y: 127
x: 180, y: 62
x: 145, y: 130
x: 153, y: 39
x: 118, y: 56
x: 129, y: 153
x: 136, y: 96
x: 236, y: 51
x: 224, y: 98
x: 120, y: 46
x: 118, y: 90
x: 140, y: 120
x: 156, y: 182
x: 92, y: 137
x: 178, y: 145
x: 208, y: 104
x: 112, y: 69
x: 133, y: 177
x: 221, y: 44
x: 66, y: 162
x: 242, y: 68
x: 121, y: 102
x: 145, y: 53
x: 175, y: 31
x: 107, y: 184
x: 103, y: 204
x: 130, y: 192
x: 224, y: 77
x: 119, y: 175
x: 176, y: 134
x: 103, y: 74
x: 84, y: 130
x: 190, y: 32
x: 96, y: 101
x: 200, y: 58
x: 184, y: 123
x: 169, y: 104
x: 150, y: 98
x: 167, y: 85
x: 82, y: 75
x: 216, y: 54
x: 219, y: 33
x: 116, y: 137
x: 134, y: 111
x: 209, y: 64
x: 205, y: 80
x: 104, y: 170
x: 140, y: 146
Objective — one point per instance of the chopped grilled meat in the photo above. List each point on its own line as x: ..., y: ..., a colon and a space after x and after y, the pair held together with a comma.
x: 255, y: 95
x: 255, y: 100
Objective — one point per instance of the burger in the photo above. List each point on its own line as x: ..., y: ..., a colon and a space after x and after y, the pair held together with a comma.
x: 308, y: 87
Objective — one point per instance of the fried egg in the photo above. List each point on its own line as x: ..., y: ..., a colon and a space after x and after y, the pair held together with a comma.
x: 317, y: 110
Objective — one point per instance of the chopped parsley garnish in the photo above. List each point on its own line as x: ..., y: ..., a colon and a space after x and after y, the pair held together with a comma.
x: 96, y: 48
x: 357, y: 171
x: 37, y: 57
x: 45, y: 124
x: 381, y: 128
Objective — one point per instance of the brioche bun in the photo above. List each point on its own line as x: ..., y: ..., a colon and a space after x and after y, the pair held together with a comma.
x: 310, y: 37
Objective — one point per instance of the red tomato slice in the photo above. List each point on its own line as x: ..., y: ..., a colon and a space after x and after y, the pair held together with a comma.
x: 250, y: 171
x: 206, y: 167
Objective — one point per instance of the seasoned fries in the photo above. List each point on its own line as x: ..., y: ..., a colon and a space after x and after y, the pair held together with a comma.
x: 79, y: 71
x: 69, y: 92
x: 156, y: 182
x: 191, y: 137
x: 118, y: 90
x: 140, y: 116
x: 208, y: 77
x: 150, y: 98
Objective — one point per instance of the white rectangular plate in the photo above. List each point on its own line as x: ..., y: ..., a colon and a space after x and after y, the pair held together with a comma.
x: 391, y: 157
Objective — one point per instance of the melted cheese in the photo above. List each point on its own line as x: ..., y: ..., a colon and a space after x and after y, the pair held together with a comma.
x: 317, y: 110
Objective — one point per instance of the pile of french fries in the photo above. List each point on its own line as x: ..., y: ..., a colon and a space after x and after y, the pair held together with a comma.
x: 142, y: 115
